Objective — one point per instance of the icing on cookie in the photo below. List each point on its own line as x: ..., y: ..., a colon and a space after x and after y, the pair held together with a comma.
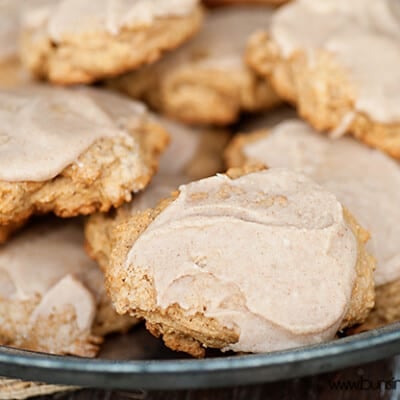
x: 268, y: 255
x: 222, y: 39
x: 63, y: 18
x: 44, y: 130
x: 362, y: 35
x: 49, y: 261
x: 366, y: 181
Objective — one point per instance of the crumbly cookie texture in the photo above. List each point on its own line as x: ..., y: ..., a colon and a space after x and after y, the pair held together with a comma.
x: 194, y: 153
x: 206, y: 81
x: 52, y: 296
x: 105, y: 175
x: 133, y: 288
x: 330, y: 88
x: 94, y: 54
x: 344, y: 166
x: 386, y: 308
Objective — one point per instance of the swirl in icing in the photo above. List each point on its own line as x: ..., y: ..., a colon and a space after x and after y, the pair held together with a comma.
x: 45, y: 129
x: 366, y: 181
x: 363, y: 36
x: 268, y: 255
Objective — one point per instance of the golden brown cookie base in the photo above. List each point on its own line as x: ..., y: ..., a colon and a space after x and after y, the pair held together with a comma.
x: 98, y: 235
x: 363, y: 294
x: 199, y: 95
x: 87, y: 58
x: 132, y: 290
x: 322, y: 93
x: 386, y: 310
x: 104, y: 176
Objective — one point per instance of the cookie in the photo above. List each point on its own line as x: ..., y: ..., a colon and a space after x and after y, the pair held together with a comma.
x: 194, y: 153
x: 72, y: 152
x: 206, y: 81
x: 52, y: 296
x: 386, y: 308
x: 336, y: 61
x: 365, y: 180
x: 241, y: 262
x: 81, y: 41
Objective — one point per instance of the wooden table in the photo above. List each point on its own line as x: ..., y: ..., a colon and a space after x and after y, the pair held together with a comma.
x: 366, y: 382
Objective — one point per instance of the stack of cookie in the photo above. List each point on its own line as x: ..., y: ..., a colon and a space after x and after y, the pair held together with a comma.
x: 121, y: 200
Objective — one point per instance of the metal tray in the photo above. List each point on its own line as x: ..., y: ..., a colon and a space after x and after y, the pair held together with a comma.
x: 139, y: 361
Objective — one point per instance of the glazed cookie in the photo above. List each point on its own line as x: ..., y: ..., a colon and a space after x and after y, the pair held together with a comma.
x: 52, y: 296
x: 206, y: 81
x: 365, y: 180
x: 250, y: 263
x: 193, y: 154
x: 81, y: 41
x: 72, y: 152
x: 337, y: 61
